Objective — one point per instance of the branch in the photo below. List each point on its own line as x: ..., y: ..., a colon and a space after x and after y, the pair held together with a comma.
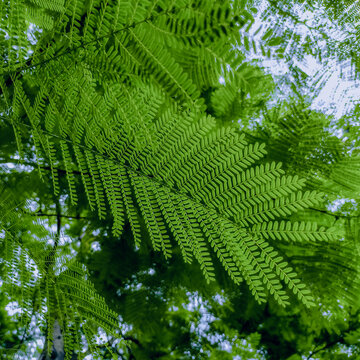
x: 327, y: 346
x: 340, y: 339
x: 337, y: 216
x: 134, y: 340
x: 77, y: 217
x: 35, y: 165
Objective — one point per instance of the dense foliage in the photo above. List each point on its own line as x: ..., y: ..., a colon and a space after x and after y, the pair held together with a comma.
x: 166, y: 195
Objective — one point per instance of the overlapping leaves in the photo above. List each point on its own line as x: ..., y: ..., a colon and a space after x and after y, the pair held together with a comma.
x: 186, y: 178
x: 49, y: 287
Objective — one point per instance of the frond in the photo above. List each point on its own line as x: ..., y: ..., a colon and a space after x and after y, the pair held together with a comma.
x: 162, y: 64
x: 151, y: 213
x: 109, y: 177
x: 69, y: 173
x: 85, y: 176
x: 193, y: 165
x: 299, y: 133
x: 126, y: 192
x: 42, y: 280
x: 293, y: 231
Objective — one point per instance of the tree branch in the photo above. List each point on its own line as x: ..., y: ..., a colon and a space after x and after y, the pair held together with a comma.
x: 35, y: 165
x: 337, y: 216
x: 340, y: 338
x: 134, y: 340
x: 327, y: 346
x: 77, y: 217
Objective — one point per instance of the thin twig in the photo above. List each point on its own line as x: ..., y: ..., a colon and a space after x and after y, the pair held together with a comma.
x: 77, y: 217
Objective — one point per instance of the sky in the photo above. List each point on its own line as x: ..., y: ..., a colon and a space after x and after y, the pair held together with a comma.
x: 339, y: 91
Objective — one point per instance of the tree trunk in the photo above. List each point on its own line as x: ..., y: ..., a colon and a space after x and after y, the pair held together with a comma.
x: 57, y: 351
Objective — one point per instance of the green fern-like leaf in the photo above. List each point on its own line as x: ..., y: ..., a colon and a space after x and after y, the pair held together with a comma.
x: 192, y: 166
x: 58, y: 289
x: 293, y: 231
